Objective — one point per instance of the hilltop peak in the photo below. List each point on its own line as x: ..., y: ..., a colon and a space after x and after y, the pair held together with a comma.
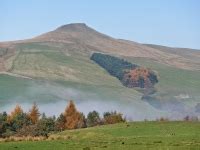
x: 74, y: 26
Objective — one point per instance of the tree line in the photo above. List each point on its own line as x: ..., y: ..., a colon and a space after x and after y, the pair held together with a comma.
x: 33, y: 123
x: 130, y: 75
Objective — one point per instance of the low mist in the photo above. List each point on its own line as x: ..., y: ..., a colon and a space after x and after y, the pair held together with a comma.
x: 52, y: 99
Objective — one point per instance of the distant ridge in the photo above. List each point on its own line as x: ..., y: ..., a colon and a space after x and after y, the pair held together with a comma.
x: 79, y: 36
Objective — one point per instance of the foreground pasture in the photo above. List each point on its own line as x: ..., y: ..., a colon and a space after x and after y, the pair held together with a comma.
x: 126, y: 136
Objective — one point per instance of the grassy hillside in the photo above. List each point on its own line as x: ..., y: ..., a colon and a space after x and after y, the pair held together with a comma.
x: 178, y: 86
x: 61, y: 73
x: 137, y: 135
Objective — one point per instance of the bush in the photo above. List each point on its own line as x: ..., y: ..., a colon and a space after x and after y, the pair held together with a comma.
x: 8, y: 133
x: 162, y: 119
x: 30, y: 130
x: 113, y: 117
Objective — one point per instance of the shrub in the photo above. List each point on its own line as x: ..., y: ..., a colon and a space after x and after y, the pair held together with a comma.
x: 8, y: 133
x: 30, y: 130
x: 162, y: 119
x: 113, y: 117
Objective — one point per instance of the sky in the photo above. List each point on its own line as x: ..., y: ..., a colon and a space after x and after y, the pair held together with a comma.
x: 173, y: 23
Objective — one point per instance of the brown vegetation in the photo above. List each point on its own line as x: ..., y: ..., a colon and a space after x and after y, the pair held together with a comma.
x: 17, y: 111
x: 73, y: 118
x: 138, y: 77
x: 113, y: 117
x: 22, y: 125
x: 34, y: 114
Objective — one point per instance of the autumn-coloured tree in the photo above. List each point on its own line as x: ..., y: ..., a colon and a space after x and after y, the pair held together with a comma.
x: 139, y: 77
x: 34, y: 114
x: 17, y: 111
x: 73, y: 118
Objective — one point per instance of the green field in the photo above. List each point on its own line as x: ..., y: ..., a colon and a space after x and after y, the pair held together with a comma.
x: 126, y: 136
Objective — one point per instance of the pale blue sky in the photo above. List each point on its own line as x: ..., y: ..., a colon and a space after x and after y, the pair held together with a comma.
x: 165, y: 22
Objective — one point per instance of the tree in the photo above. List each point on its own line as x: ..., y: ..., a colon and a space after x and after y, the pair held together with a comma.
x: 93, y: 119
x: 17, y: 111
x: 3, y: 123
x: 115, y: 66
x: 19, y: 120
x: 60, y: 123
x: 34, y: 114
x: 130, y: 75
x: 113, y: 117
x: 45, y: 125
x: 73, y: 118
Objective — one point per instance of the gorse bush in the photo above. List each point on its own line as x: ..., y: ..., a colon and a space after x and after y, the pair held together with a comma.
x: 32, y: 124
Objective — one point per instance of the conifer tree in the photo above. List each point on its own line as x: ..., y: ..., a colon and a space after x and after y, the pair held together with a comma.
x: 34, y: 114
x: 73, y: 118
x: 17, y: 111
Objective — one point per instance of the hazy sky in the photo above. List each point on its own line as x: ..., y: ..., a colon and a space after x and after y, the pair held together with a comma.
x: 166, y: 22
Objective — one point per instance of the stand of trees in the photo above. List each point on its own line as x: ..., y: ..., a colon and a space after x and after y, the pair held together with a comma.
x: 20, y: 123
x: 131, y: 75
x: 115, y: 66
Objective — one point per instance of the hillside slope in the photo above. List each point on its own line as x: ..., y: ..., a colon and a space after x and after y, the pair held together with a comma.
x: 56, y: 66
x: 80, y: 37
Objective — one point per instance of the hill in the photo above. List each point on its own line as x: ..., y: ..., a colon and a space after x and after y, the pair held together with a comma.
x: 56, y: 66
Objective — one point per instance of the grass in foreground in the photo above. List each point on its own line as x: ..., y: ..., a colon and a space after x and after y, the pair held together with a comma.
x: 126, y: 136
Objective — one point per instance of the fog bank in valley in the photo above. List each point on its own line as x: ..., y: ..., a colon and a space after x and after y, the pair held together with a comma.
x: 53, y: 99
